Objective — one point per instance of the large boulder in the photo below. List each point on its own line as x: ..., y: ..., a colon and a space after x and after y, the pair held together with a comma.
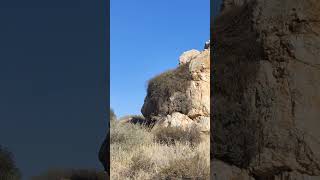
x: 266, y: 105
x: 181, y: 97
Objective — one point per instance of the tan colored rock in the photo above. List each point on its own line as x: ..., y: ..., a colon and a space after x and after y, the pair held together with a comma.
x: 175, y: 119
x: 188, y: 56
x: 181, y: 97
x: 185, y: 90
x: 267, y: 88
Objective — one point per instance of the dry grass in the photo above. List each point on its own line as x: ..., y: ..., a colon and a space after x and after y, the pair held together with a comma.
x: 171, y: 135
x: 136, y: 153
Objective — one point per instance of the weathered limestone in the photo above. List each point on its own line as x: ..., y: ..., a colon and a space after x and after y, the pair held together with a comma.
x: 267, y: 88
x: 181, y: 97
x: 188, y: 56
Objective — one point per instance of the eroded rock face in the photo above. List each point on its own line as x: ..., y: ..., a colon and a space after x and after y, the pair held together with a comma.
x: 181, y: 97
x: 188, y: 56
x: 223, y: 171
x: 267, y: 88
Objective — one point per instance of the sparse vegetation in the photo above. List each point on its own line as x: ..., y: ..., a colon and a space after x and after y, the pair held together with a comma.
x: 171, y: 135
x: 195, y: 167
x: 139, y: 153
x: 135, y: 119
x: 113, y: 116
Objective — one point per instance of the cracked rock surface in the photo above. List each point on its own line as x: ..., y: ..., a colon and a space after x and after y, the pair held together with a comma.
x: 266, y: 105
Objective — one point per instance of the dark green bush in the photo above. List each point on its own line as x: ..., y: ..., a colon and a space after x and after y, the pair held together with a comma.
x: 8, y: 169
x: 113, y: 116
x: 169, y: 82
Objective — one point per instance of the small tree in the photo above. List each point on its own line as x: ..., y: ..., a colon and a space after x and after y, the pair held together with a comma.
x: 113, y: 116
x: 8, y: 169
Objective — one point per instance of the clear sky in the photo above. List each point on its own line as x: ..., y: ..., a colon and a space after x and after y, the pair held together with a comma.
x: 53, y: 82
x: 147, y: 38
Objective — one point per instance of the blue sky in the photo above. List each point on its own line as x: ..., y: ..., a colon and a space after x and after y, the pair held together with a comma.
x: 147, y: 38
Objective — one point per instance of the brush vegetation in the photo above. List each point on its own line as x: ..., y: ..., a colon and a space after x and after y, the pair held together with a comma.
x: 166, y: 153
x: 8, y: 169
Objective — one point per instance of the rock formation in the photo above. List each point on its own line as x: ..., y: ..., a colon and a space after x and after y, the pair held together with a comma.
x: 266, y: 90
x: 188, y: 56
x: 181, y: 97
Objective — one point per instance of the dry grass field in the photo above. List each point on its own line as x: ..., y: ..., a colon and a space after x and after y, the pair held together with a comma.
x: 167, y: 153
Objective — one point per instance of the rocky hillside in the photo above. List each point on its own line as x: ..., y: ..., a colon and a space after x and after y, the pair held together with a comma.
x: 178, y: 98
x: 266, y: 90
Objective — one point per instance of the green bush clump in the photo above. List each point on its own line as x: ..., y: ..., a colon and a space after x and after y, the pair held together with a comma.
x: 8, y: 169
x: 113, y: 116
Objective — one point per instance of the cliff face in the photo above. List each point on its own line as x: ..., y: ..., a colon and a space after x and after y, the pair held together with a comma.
x: 181, y: 97
x: 267, y: 89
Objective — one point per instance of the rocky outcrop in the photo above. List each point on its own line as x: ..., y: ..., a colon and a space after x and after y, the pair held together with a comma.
x: 266, y: 105
x: 188, y: 56
x: 181, y: 97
